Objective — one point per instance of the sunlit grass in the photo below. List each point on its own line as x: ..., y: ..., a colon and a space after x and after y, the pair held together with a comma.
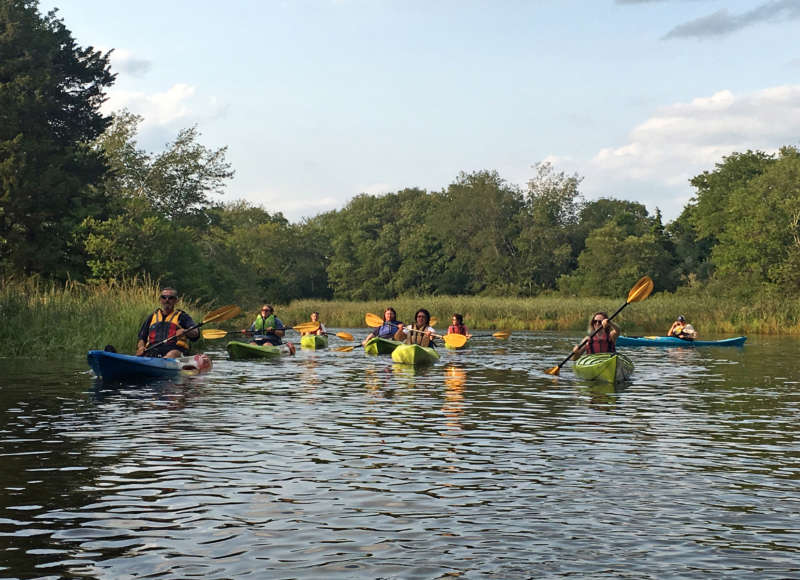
x: 43, y: 318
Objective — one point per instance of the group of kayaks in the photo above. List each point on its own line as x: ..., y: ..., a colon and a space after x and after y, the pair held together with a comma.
x: 608, y: 367
x: 617, y: 367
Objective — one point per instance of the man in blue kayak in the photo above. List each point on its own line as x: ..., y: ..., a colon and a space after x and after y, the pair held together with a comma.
x: 680, y: 329
x: 167, y: 322
x: 389, y: 327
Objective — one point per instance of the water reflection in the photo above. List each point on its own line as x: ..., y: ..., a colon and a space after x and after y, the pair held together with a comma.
x: 335, y: 464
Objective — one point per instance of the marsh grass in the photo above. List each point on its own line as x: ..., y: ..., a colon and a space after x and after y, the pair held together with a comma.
x: 41, y: 317
x: 46, y: 318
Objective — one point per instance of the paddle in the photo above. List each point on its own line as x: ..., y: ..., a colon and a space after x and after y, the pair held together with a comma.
x: 219, y: 333
x: 639, y: 292
x: 218, y: 315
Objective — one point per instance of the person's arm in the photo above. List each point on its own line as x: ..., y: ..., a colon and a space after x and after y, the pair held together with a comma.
x: 279, y: 329
x: 613, y: 333
x: 369, y: 337
x: 185, y: 321
x: 579, y: 349
x: 143, y: 332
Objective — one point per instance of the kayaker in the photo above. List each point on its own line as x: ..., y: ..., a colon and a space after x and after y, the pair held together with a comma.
x: 267, y: 327
x: 680, y: 329
x: 458, y: 326
x: 167, y: 322
x: 321, y: 329
x: 605, y: 340
x: 420, y: 332
x: 389, y: 327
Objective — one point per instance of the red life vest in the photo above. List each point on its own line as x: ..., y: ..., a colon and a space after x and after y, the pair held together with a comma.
x: 457, y: 329
x: 600, y: 344
x: 162, y: 328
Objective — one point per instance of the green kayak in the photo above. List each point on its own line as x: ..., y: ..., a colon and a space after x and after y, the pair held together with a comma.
x: 414, y: 354
x: 313, y: 341
x: 606, y: 366
x: 381, y: 345
x: 244, y: 350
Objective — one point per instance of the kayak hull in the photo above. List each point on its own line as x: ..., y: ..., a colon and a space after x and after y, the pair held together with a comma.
x: 313, y: 341
x: 245, y: 350
x: 381, y: 346
x: 674, y: 341
x: 414, y: 354
x: 113, y: 366
x: 606, y: 367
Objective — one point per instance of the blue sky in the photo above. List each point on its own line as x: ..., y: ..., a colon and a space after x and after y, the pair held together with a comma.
x: 318, y: 101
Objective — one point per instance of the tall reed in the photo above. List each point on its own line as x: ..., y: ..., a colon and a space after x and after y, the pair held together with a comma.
x: 41, y: 317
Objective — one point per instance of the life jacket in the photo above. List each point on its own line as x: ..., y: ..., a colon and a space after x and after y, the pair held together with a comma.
x: 600, y: 344
x: 457, y: 329
x: 387, y: 330
x: 418, y: 337
x: 162, y: 327
x: 262, y: 324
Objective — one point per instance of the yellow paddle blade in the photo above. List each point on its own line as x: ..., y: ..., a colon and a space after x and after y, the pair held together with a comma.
x: 224, y: 313
x: 455, y: 340
x: 344, y: 348
x: 345, y: 335
x: 306, y: 327
x: 433, y: 321
x: 502, y: 335
x: 213, y: 333
x: 553, y: 371
x: 373, y: 320
x: 641, y: 289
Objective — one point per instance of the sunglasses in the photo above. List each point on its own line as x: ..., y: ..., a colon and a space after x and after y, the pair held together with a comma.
x: 165, y: 297
x: 597, y: 321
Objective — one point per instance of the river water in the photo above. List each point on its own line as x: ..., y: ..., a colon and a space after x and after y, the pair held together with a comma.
x: 341, y: 465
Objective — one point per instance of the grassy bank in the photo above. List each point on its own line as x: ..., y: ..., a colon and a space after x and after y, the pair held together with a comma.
x: 43, y: 318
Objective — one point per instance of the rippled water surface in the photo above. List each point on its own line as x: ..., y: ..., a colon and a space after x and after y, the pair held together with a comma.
x: 341, y: 465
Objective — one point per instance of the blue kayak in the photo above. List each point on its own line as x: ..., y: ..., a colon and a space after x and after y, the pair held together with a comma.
x: 674, y: 341
x: 112, y: 366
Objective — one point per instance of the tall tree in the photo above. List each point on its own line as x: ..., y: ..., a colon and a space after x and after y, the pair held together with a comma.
x: 50, y: 96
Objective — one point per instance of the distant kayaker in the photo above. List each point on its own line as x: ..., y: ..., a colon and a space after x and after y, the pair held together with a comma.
x: 267, y: 328
x: 680, y: 329
x: 321, y: 329
x: 420, y: 332
x: 605, y: 340
x: 389, y: 327
x: 458, y: 326
x: 167, y: 322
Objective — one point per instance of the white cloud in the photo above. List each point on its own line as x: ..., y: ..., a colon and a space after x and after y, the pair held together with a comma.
x: 125, y: 62
x: 684, y: 139
x: 166, y: 112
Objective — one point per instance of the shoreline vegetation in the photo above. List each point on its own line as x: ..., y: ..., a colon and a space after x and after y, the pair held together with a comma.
x: 41, y: 317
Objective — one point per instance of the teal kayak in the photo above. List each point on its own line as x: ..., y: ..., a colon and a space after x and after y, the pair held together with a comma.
x: 675, y: 341
x: 414, y: 354
x: 381, y: 345
x: 605, y: 366
x: 313, y: 341
x: 245, y: 350
x: 113, y: 366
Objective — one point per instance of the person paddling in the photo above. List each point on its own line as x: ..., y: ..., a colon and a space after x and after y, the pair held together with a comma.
x: 680, y: 329
x: 167, y: 322
x: 268, y: 329
x: 386, y: 330
x: 604, y: 341
x: 458, y: 326
x: 321, y: 329
x: 420, y: 332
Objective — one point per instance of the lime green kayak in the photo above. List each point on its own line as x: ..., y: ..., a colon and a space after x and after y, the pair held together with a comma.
x: 381, y: 345
x: 244, y: 350
x: 313, y: 341
x: 414, y: 354
x: 607, y: 366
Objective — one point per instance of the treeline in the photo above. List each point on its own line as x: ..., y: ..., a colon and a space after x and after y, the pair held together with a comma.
x: 80, y: 200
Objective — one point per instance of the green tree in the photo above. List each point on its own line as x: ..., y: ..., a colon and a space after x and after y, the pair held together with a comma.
x: 50, y: 96
x: 547, y: 226
x: 760, y: 243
